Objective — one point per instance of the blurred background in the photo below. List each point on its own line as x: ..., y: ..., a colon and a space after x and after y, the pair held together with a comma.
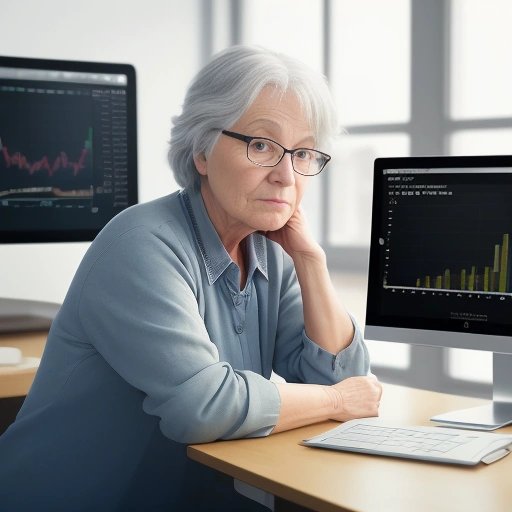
x: 410, y: 77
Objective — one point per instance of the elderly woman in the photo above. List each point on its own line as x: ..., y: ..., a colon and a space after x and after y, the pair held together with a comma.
x: 183, y: 306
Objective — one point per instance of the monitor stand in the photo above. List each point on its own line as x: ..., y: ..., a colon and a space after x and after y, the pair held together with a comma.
x: 491, y: 416
x: 19, y: 315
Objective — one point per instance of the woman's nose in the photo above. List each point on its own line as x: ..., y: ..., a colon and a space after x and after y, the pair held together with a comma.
x: 283, y: 172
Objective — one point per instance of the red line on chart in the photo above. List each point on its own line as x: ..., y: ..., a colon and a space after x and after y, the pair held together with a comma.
x: 62, y: 161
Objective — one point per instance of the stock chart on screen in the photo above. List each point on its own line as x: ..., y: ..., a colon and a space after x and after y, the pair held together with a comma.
x: 67, y: 155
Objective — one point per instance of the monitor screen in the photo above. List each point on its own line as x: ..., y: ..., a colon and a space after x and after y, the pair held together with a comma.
x: 68, y: 148
x: 440, y: 256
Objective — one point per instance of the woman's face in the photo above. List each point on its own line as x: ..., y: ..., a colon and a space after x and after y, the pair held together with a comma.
x: 242, y: 197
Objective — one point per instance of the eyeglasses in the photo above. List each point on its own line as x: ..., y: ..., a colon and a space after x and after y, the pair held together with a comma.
x: 268, y: 153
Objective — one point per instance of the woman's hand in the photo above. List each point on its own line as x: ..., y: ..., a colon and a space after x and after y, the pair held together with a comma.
x: 325, y: 320
x: 304, y: 404
x: 358, y: 397
x: 294, y: 237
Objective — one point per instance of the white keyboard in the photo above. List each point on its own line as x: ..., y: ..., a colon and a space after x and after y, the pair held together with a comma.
x: 374, y: 436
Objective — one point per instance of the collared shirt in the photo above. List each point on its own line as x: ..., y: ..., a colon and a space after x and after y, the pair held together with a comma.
x: 156, y: 346
x: 240, y: 315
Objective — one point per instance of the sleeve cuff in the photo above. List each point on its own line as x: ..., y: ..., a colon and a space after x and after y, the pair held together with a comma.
x: 351, y: 361
x: 263, y: 408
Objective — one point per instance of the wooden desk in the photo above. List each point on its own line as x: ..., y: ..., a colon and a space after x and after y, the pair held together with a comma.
x: 15, y: 382
x: 326, y: 480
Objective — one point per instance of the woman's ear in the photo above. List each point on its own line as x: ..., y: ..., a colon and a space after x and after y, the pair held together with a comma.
x: 201, y: 164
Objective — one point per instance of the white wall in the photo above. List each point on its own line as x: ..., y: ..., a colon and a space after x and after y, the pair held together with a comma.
x: 161, y: 38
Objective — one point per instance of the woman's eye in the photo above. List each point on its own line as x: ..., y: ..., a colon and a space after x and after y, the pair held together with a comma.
x: 302, y: 154
x: 260, y: 145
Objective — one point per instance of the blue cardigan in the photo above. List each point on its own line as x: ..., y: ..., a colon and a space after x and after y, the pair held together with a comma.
x: 154, y: 347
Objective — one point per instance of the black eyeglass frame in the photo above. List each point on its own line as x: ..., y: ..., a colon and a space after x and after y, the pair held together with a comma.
x: 248, y: 139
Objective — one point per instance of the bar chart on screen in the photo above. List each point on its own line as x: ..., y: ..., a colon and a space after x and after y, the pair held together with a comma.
x: 434, y: 243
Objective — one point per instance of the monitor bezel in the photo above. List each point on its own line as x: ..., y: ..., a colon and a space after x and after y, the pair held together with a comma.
x: 81, y: 235
x: 415, y: 330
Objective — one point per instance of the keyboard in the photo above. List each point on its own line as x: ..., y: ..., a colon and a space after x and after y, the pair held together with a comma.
x: 436, y: 444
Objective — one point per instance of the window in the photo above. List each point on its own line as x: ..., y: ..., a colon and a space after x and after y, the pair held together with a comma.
x: 480, y: 42
x: 293, y: 27
x: 350, y: 184
x: 370, y: 55
x: 481, y: 141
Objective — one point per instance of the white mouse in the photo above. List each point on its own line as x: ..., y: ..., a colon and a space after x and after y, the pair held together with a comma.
x: 10, y: 356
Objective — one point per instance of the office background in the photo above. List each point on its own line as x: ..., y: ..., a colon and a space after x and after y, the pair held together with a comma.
x: 410, y: 77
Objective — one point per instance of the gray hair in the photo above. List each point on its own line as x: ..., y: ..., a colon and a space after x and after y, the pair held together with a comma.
x: 223, y: 90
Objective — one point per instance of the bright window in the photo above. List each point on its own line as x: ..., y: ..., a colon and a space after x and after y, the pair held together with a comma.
x: 351, y: 184
x: 480, y: 71
x: 293, y: 27
x: 370, y: 64
x: 484, y: 141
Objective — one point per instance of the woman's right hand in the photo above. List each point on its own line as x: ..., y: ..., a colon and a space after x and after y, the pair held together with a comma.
x: 359, y: 397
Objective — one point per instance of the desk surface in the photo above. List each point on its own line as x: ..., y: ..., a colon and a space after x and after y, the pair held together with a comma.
x: 15, y: 381
x: 327, y: 480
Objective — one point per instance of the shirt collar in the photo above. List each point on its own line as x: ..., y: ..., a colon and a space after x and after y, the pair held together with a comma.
x: 215, y: 257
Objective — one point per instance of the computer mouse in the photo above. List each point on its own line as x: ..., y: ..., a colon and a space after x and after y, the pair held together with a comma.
x: 10, y: 356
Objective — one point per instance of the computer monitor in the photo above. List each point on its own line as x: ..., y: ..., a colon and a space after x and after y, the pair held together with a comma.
x: 441, y: 263
x: 68, y: 157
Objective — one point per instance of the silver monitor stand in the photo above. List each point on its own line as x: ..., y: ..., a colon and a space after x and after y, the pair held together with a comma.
x: 491, y: 416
